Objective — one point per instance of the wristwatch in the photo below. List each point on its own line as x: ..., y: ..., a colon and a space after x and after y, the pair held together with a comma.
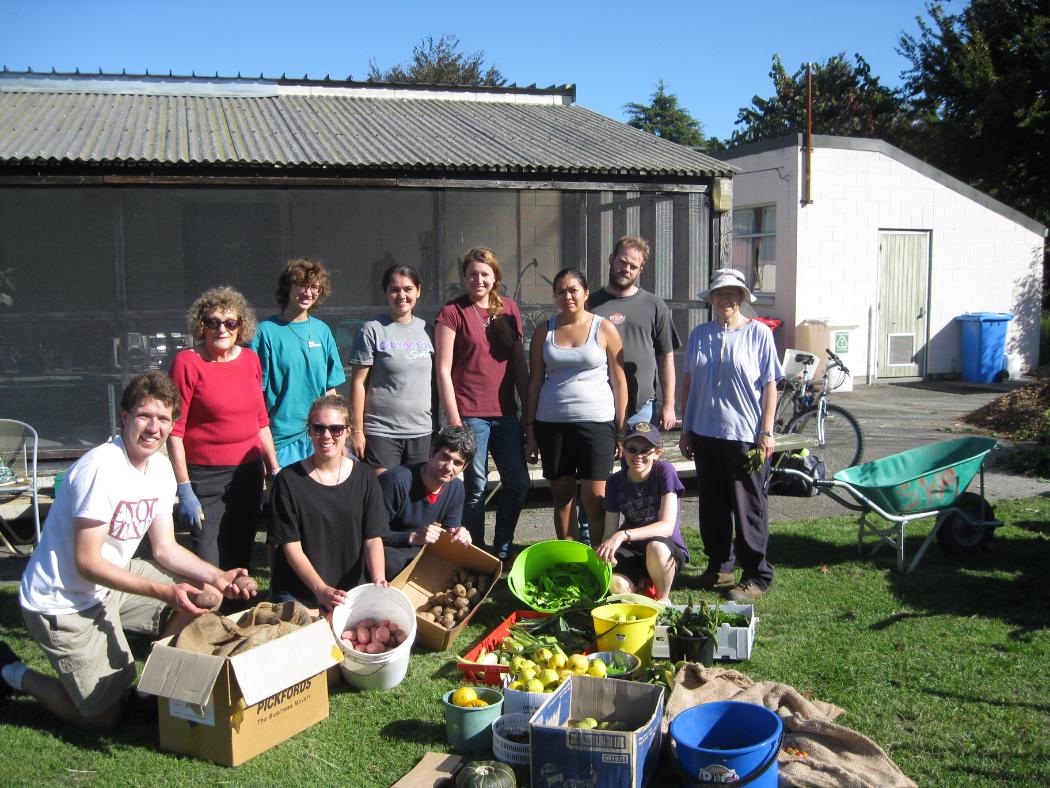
x: 766, y: 432
x: 627, y: 534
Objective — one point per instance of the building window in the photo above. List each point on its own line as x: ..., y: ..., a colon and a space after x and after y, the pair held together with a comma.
x: 755, y: 247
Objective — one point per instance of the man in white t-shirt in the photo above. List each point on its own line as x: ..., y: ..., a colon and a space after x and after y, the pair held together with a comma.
x: 82, y: 588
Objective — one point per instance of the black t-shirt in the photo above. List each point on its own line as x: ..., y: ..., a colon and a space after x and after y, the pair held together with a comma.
x: 331, y: 523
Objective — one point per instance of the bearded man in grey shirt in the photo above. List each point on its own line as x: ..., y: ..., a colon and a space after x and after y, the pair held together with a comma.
x: 649, y: 337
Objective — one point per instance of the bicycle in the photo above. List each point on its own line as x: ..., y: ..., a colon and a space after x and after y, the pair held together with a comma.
x: 832, y: 430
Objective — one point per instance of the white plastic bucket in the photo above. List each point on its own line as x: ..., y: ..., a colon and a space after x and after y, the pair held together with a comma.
x: 375, y: 671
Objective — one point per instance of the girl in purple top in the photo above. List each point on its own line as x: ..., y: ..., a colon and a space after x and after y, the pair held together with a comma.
x: 647, y: 547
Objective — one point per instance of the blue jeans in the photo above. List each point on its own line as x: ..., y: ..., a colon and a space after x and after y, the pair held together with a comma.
x: 644, y: 413
x: 502, y: 437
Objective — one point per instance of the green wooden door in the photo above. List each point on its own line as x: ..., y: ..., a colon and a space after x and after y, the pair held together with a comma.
x: 904, y: 275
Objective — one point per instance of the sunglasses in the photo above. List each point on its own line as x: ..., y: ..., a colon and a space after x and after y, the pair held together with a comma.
x: 335, y: 429
x: 213, y: 323
x: 636, y: 450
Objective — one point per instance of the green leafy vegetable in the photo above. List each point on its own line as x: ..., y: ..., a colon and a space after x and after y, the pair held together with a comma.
x: 562, y: 586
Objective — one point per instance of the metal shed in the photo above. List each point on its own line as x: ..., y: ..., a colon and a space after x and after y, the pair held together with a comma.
x: 122, y: 197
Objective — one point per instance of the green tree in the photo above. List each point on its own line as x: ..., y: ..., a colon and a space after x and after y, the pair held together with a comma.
x: 665, y: 118
x: 440, y: 62
x: 847, y: 100
x: 979, y: 83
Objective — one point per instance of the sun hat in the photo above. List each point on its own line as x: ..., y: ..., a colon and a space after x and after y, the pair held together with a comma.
x: 726, y: 277
x: 644, y: 429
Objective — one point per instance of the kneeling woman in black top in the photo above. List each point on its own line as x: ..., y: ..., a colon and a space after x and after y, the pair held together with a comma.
x: 328, y: 520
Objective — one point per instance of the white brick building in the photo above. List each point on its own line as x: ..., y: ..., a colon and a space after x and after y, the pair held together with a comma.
x: 887, y: 246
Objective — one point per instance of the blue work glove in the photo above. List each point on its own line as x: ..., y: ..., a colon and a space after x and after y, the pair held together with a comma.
x: 188, y: 509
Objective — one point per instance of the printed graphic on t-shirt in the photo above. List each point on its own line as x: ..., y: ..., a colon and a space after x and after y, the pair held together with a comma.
x: 617, y: 318
x: 413, y: 348
x: 643, y: 510
x: 131, y: 518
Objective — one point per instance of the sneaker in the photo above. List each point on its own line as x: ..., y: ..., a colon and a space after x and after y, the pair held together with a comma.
x: 7, y: 656
x: 712, y: 578
x: 745, y: 592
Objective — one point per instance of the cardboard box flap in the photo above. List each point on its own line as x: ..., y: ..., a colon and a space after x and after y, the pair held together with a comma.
x: 268, y: 669
x: 180, y: 675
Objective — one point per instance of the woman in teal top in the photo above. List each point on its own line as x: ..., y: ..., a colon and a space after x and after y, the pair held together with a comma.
x: 299, y: 357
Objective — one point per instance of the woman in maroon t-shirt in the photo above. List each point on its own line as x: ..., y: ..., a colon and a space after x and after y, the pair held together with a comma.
x: 480, y: 363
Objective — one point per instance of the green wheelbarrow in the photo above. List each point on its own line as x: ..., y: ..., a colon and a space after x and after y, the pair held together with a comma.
x: 917, y: 484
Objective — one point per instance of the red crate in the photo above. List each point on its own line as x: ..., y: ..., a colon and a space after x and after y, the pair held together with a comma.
x: 492, y: 675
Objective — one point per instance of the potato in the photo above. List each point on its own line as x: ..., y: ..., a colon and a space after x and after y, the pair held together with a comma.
x: 348, y: 635
x: 426, y: 615
x: 473, y: 595
x: 400, y: 637
x: 375, y: 648
x: 448, y: 619
x: 461, y: 603
x: 437, y: 611
x: 364, y: 634
x: 245, y: 583
x: 461, y: 614
x: 459, y: 590
x: 381, y: 634
x: 206, y: 600
x: 384, y: 623
x: 367, y: 622
x: 394, y: 626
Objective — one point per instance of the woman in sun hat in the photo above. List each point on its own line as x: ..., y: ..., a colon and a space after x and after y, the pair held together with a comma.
x: 730, y: 393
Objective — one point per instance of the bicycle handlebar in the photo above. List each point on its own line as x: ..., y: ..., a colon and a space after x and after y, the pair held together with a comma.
x: 836, y: 360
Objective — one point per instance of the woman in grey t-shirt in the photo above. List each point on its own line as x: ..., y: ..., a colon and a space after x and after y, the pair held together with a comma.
x: 576, y: 402
x: 391, y: 392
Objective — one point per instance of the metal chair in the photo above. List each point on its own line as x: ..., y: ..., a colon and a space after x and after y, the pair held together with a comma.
x: 18, y: 450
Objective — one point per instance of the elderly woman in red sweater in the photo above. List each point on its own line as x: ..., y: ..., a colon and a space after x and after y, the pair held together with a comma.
x: 219, y: 444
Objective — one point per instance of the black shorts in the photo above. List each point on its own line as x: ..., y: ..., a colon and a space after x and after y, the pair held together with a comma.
x: 630, y: 559
x: 583, y: 449
x: 384, y: 452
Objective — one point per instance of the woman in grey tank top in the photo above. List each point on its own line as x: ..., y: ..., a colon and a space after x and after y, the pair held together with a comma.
x: 577, y: 396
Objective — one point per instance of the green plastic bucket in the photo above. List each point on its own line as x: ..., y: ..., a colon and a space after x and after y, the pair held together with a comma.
x: 469, y: 729
x: 618, y: 634
x: 533, y: 561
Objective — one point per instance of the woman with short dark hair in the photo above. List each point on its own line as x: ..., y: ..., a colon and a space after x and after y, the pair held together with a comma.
x: 391, y: 386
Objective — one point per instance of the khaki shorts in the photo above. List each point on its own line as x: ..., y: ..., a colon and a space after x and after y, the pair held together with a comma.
x: 88, y: 648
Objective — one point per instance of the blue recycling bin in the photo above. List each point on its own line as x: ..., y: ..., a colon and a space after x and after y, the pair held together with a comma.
x: 983, y: 345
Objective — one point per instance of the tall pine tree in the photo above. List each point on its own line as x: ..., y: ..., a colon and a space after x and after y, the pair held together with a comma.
x: 664, y: 117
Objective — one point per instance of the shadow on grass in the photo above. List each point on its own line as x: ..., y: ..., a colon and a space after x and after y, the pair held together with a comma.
x: 416, y: 731
x: 996, y: 702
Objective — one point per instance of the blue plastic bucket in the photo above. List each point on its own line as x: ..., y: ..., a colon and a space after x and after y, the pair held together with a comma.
x: 727, y: 742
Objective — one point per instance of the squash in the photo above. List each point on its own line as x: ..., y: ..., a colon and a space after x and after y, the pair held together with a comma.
x: 486, y: 774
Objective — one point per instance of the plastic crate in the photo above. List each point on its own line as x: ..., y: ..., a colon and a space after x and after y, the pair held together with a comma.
x: 492, y: 675
x: 733, y: 642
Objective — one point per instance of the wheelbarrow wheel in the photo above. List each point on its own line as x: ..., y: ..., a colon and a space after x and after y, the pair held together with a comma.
x: 959, y: 537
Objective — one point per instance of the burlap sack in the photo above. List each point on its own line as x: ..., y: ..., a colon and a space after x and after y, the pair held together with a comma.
x: 835, y: 755
x: 219, y: 636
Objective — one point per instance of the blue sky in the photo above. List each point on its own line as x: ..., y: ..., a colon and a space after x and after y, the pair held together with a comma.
x: 714, y: 55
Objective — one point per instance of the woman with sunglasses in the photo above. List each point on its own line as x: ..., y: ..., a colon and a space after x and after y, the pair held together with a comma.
x: 222, y: 438
x: 327, y: 519
x: 645, y: 546
x: 480, y: 363
x: 576, y: 402
x: 391, y: 387
x: 299, y: 357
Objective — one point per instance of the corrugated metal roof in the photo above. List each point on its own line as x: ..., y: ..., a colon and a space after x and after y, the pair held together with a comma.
x: 333, y: 131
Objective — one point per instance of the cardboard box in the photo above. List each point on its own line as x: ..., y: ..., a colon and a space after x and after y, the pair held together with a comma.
x: 230, y: 709
x: 429, y: 573
x: 733, y: 642
x: 564, y: 756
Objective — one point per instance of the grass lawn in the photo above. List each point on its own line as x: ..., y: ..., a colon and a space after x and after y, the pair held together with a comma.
x: 948, y: 669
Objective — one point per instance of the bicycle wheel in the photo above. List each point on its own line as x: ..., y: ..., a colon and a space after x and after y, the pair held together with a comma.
x: 843, y: 444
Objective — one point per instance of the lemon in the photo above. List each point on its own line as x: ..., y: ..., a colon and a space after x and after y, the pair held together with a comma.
x: 543, y: 655
x: 557, y: 662
x: 516, y: 685
x: 578, y: 663
x: 598, y: 669
x: 534, y: 685
x: 464, y: 696
x: 528, y: 674
x: 548, y: 676
x: 478, y: 703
